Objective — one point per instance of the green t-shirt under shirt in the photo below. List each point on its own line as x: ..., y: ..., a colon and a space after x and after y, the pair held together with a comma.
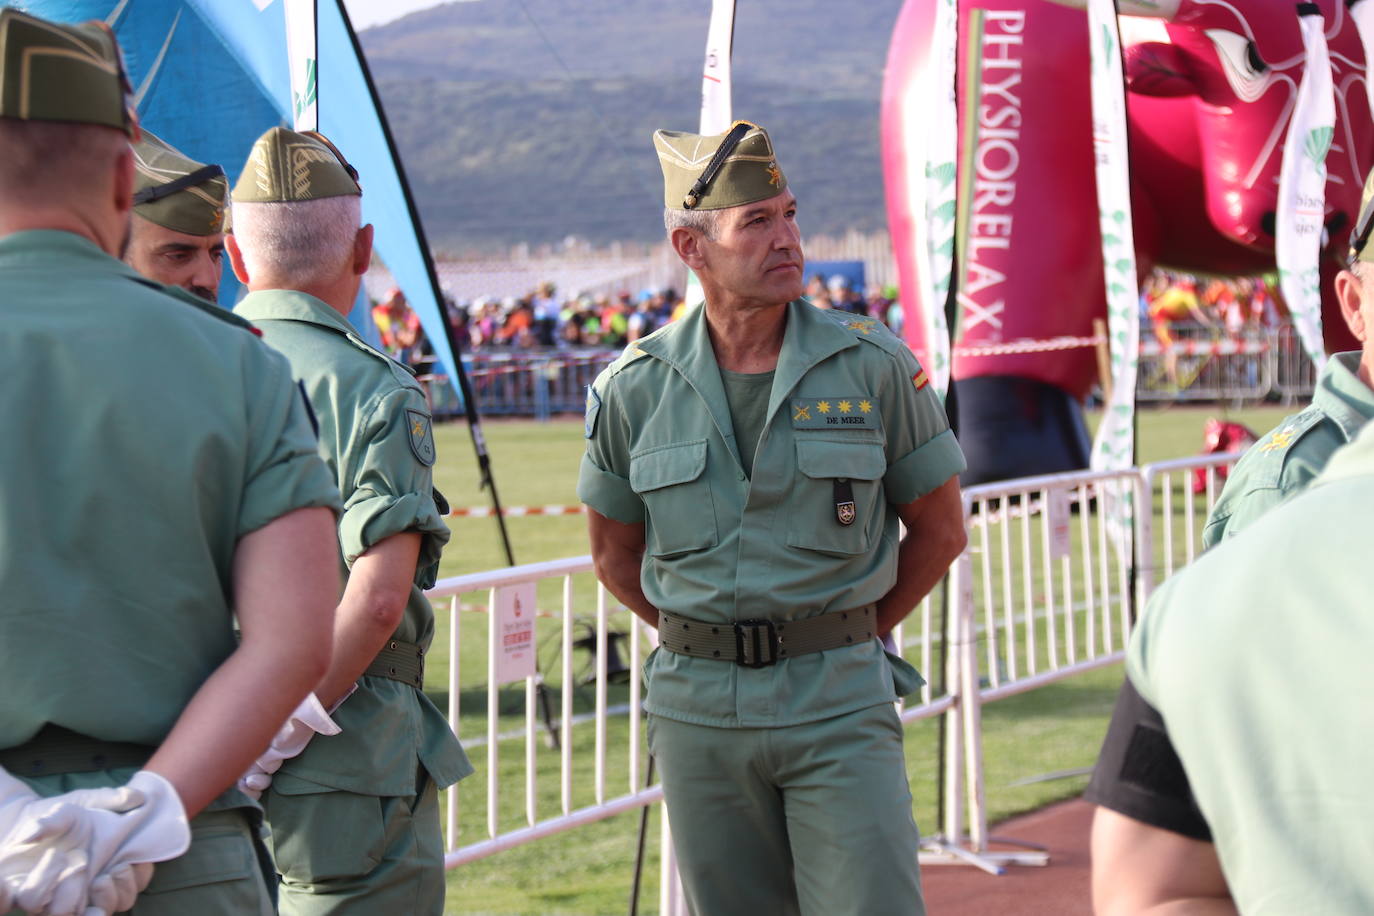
x: 747, y: 394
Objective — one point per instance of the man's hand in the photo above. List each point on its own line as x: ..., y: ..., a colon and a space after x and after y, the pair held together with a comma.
x: 309, y: 719
x: 935, y: 535
x: 89, y: 851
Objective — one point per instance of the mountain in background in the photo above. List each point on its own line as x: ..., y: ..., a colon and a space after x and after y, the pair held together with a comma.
x: 530, y: 120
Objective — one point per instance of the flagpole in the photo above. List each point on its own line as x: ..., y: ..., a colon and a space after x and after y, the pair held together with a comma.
x: 479, y: 441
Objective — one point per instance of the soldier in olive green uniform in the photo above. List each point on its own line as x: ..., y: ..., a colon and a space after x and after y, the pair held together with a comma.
x: 1259, y: 670
x: 1285, y: 460
x: 746, y: 470
x: 336, y: 853
x: 1151, y: 838
x: 178, y: 227
x: 159, y: 478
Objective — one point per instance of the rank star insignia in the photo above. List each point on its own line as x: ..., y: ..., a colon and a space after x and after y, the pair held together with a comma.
x: 803, y: 413
x: 823, y: 406
x: 846, y: 407
x: 1281, y: 439
x: 865, y: 406
x: 774, y: 174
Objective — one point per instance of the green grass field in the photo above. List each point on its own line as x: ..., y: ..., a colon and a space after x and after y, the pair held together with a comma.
x: 1031, y: 740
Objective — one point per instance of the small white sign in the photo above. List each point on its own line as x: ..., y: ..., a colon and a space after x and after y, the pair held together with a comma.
x: 1061, y: 537
x: 515, y: 607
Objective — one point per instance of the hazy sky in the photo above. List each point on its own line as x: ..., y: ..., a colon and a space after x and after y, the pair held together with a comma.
x: 366, y: 13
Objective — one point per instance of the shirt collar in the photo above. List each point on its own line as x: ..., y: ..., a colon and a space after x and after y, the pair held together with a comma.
x: 52, y: 245
x: 1342, y: 395
x: 292, y: 305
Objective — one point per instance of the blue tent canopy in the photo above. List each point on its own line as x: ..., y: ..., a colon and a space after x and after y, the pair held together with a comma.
x: 211, y: 75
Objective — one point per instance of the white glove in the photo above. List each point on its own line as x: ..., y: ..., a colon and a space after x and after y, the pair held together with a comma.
x: 87, y: 852
x: 309, y: 719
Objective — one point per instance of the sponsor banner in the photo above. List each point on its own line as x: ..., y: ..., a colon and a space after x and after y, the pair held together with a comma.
x: 303, y: 56
x: 937, y: 118
x: 1300, y: 231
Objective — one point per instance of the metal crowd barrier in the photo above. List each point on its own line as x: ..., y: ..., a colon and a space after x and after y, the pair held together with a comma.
x: 1041, y: 593
x: 534, y: 383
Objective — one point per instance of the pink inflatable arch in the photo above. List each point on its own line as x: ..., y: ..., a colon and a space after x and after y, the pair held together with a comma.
x: 1210, y: 89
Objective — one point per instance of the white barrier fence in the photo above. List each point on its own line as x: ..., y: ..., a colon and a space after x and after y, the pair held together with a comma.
x: 1044, y: 591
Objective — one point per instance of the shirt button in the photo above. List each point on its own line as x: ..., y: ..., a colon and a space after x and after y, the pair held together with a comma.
x: 741, y: 475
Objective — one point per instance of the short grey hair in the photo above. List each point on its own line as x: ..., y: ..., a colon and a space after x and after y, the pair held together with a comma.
x: 44, y: 160
x: 707, y: 222
x: 304, y: 242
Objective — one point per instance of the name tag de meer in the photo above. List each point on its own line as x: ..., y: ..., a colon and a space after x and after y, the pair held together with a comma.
x: 848, y: 412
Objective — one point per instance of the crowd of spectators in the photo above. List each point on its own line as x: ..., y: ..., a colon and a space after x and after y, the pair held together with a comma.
x: 543, y: 319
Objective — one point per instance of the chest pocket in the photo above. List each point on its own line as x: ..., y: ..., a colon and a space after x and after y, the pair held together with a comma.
x: 671, y: 480
x: 814, y: 523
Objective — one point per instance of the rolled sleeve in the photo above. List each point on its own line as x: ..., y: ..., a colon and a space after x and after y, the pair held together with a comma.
x: 922, y: 452
x: 609, y: 494
x: 393, y: 489
x: 603, y: 481
x: 284, y: 470
x: 921, y: 471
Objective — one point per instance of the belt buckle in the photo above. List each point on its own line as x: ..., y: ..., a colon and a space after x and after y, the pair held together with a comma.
x: 748, y: 634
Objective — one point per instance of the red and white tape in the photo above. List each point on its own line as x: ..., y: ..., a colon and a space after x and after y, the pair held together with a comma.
x: 1206, y: 347
x: 1046, y: 345
x: 515, y: 511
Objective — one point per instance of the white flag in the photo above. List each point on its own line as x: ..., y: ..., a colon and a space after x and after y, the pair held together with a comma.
x: 1362, y: 11
x: 1302, y: 188
x: 935, y: 117
x: 1115, y: 445
x: 716, y: 107
x: 302, y: 54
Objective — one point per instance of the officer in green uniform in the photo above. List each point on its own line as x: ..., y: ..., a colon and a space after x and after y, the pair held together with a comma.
x: 1290, y: 455
x: 1260, y: 672
x: 178, y: 227
x: 1150, y: 838
x: 746, y: 470
x: 159, y: 478
x: 298, y: 247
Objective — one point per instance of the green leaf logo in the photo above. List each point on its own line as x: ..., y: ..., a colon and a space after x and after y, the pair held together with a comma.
x: 1317, y: 145
x: 1108, y: 42
x: 302, y: 101
x: 945, y: 172
x: 946, y: 210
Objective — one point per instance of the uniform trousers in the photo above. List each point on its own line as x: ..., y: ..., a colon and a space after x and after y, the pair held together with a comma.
x: 344, y: 854
x: 810, y: 819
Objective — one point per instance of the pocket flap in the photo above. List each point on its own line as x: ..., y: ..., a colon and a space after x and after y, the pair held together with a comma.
x: 823, y: 458
x: 667, y: 465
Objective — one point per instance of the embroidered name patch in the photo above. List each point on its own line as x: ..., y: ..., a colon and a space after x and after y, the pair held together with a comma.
x: 855, y: 412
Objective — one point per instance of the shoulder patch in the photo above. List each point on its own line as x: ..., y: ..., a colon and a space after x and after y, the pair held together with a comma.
x: 593, y: 411
x: 1283, y: 436
x: 420, y: 431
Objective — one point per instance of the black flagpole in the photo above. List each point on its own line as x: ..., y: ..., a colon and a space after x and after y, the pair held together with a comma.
x: 479, y: 441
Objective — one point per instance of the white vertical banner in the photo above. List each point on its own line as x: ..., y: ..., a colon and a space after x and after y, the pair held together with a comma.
x: 717, y: 109
x: 515, y: 607
x: 302, y: 53
x: 1115, y: 444
x: 1302, y: 187
x: 939, y: 123
x: 1114, y: 447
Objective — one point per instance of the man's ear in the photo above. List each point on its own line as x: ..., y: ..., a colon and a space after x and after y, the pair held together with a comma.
x: 362, y: 250
x: 231, y: 246
x: 124, y: 180
x: 1350, y: 295
x: 688, y: 245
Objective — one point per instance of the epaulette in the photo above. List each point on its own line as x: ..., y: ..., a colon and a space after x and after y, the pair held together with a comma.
x: 629, y: 355
x: 1287, y: 434
x: 403, y: 374
x: 209, y: 308
x: 867, y: 329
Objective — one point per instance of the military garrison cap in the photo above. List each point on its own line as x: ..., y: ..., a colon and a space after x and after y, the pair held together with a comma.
x: 713, y: 173
x: 1360, y: 249
x: 286, y: 167
x: 177, y: 192
x: 71, y: 73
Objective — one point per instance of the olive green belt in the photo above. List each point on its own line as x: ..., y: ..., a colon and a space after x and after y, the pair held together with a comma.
x: 400, y: 661
x: 759, y: 643
x: 56, y: 750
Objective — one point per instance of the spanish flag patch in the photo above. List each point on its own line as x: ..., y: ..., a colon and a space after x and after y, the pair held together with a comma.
x: 920, y: 380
